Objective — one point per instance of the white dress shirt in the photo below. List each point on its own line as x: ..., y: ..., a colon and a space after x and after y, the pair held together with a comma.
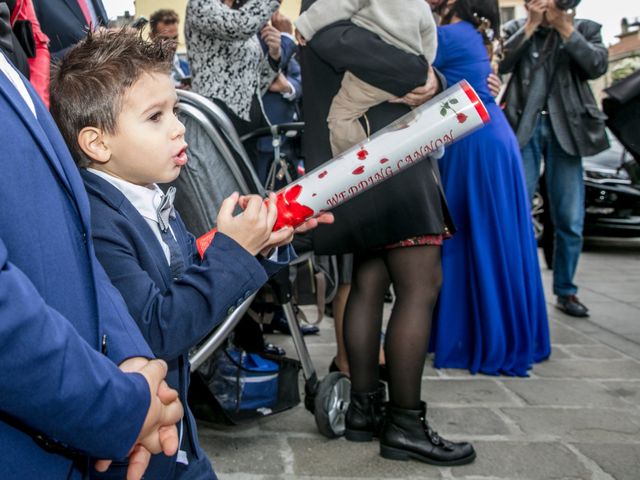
x: 14, y: 77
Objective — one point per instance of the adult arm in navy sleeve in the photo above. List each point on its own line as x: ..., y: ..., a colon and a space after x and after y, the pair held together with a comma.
x: 54, y: 383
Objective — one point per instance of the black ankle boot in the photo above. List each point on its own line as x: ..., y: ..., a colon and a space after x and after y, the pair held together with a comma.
x: 406, y: 434
x: 365, y: 415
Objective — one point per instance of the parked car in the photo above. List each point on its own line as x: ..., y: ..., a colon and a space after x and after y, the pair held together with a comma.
x: 612, y: 198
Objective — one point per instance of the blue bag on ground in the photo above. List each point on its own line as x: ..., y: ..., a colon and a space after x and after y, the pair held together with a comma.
x: 244, y: 381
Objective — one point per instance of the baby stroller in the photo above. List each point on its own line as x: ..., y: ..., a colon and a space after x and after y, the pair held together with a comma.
x: 219, y: 165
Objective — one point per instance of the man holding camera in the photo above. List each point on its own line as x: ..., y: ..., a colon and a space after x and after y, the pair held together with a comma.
x: 551, y: 56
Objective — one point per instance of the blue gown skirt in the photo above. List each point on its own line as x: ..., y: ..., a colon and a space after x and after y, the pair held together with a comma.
x: 491, y: 316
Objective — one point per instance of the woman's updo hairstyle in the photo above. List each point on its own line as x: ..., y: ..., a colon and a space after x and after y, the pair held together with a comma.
x: 483, y: 14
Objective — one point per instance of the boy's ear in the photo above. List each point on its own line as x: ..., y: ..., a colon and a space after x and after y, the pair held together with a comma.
x: 91, y: 141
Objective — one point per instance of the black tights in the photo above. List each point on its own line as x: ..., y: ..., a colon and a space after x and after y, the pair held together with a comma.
x: 416, y: 275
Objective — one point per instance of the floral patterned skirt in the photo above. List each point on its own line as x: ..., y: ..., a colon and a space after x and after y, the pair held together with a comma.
x: 433, y: 240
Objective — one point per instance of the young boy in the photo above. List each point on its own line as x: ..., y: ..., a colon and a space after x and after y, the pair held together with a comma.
x: 407, y: 25
x: 114, y: 102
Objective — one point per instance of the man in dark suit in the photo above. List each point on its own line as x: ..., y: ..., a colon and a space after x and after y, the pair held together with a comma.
x: 549, y: 104
x: 64, y: 329
x: 66, y: 22
x: 281, y: 101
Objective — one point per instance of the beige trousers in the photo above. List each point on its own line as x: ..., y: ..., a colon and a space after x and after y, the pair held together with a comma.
x: 352, y: 101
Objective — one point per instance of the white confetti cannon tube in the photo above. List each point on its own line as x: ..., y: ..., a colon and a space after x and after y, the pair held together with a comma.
x: 443, y: 120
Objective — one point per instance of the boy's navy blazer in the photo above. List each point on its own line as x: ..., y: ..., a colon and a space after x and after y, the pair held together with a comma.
x: 56, y: 304
x: 173, y: 315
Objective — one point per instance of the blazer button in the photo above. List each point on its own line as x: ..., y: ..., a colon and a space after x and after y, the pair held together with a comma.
x: 247, y: 294
x: 231, y: 310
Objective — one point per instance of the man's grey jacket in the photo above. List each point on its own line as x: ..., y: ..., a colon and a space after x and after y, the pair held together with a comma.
x: 576, y: 120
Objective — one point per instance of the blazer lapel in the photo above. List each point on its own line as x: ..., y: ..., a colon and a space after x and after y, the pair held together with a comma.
x: 13, y: 97
x: 100, y: 188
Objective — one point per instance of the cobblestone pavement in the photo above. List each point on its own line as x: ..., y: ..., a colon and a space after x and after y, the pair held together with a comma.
x: 576, y: 417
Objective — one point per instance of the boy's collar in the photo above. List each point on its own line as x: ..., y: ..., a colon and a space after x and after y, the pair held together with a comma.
x: 145, y: 198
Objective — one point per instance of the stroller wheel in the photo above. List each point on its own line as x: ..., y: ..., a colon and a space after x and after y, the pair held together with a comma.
x: 332, y: 401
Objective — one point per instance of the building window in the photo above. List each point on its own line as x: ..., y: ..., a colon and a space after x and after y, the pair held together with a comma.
x: 507, y: 13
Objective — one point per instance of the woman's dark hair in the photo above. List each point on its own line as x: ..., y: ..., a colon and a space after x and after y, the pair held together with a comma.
x: 483, y: 14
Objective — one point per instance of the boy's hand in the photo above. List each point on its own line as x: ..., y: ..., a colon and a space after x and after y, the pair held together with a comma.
x: 251, y: 229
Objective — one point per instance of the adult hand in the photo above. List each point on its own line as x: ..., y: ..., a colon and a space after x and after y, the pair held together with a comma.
x: 281, y: 22
x: 159, y: 432
x: 494, y: 83
x: 535, y: 15
x: 271, y: 37
x: 300, y: 39
x: 280, y: 84
x: 326, y: 217
x: 560, y: 20
x: 421, y: 94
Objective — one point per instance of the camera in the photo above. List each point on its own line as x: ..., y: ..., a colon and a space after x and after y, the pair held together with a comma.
x: 567, y: 4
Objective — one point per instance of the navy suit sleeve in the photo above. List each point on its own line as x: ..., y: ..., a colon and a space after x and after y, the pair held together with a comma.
x: 174, y: 319
x: 294, y: 76
x: 53, y: 382
x: 285, y: 256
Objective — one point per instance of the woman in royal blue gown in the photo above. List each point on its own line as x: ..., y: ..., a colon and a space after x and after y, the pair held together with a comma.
x: 491, y: 316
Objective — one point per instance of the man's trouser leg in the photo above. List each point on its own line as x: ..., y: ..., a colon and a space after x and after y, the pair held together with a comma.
x: 565, y: 189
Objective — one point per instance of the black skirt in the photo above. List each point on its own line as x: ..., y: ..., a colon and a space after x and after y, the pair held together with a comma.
x: 409, y: 204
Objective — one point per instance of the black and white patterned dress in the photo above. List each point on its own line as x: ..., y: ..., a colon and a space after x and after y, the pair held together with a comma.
x: 225, y: 55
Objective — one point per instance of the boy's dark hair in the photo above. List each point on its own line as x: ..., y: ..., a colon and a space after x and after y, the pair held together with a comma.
x: 165, y: 15
x: 89, y: 85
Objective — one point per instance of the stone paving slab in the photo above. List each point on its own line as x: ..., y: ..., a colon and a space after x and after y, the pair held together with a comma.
x: 592, y: 425
x: 583, y: 368
x: 621, y: 461
x: 466, y: 391
x: 590, y: 352
x: 516, y: 460
x: 362, y: 460
x: 297, y: 420
x: 570, y: 392
x: 625, y: 391
x: 463, y: 422
x: 250, y: 454
x: 563, y: 335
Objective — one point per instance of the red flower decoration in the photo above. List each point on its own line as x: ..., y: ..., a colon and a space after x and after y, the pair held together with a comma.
x: 290, y: 212
x: 358, y: 170
x: 461, y: 117
x: 362, y: 154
